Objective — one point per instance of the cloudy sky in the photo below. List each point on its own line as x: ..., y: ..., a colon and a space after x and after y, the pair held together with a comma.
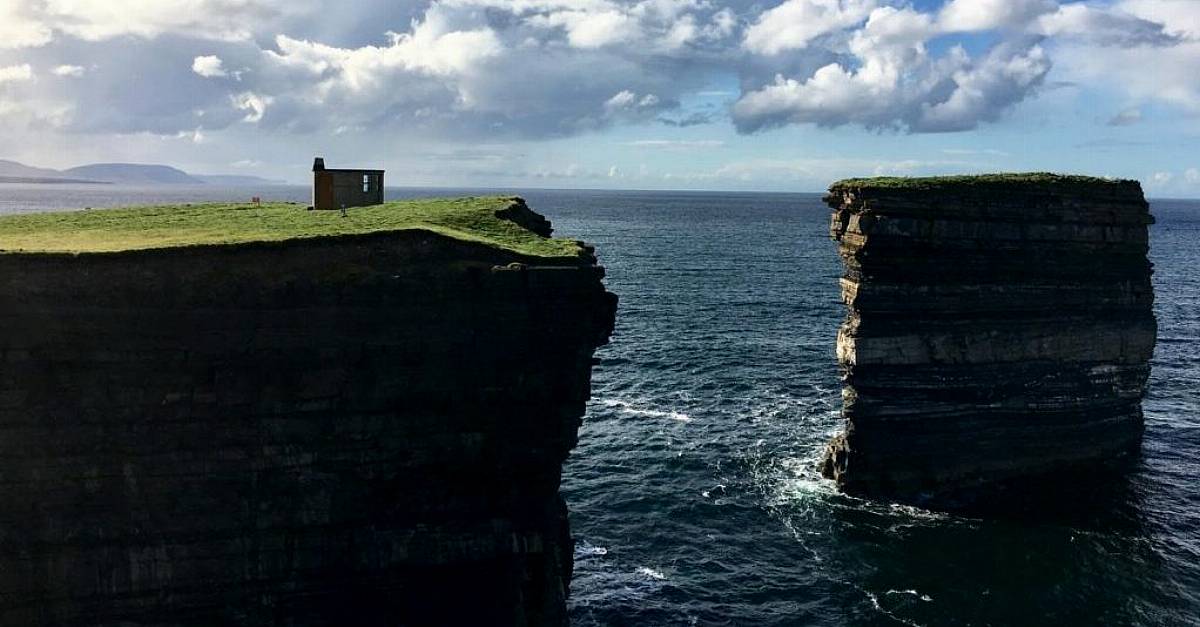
x: 682, y: 94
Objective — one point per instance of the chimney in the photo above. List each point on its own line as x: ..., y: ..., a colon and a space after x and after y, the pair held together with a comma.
x: 318, y: 164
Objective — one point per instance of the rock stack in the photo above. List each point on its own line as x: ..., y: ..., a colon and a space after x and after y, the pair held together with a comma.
x: 1000, y: 329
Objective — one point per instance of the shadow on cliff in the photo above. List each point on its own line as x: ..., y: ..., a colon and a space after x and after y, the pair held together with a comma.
x: 1098, y: 497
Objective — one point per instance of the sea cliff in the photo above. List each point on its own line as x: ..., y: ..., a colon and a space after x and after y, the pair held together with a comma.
x: 999, y: 330
x: 328, y: 429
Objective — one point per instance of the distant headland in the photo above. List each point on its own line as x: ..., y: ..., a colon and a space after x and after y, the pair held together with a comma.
x: 121, y: 174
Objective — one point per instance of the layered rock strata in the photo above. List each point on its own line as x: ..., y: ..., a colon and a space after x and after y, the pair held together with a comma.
x: 354, y: 430
x: 999, y: 329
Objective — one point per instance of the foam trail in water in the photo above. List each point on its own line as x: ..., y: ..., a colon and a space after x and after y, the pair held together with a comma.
x: 629, y: 409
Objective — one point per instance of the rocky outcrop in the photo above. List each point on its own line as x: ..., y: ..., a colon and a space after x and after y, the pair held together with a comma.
x: 355, y: 430
x: 999, y: 329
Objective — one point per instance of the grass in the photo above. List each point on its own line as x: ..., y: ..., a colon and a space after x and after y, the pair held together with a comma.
x: 470, y: 219
x: 931, y: 182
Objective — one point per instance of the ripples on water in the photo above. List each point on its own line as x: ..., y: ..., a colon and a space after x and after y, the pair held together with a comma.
x: 718, y: 392
x: 693, y: 495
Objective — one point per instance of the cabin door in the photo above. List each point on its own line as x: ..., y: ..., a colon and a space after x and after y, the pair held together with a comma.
x: 323, y: 191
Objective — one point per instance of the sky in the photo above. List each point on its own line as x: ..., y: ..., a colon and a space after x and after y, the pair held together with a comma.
x: 771, y: 95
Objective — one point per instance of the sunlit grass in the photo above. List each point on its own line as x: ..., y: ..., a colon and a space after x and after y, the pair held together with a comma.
x: 936, y: 182
x: 142, y: 228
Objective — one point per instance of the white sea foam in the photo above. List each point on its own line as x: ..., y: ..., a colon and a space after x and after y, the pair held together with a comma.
x: 631, y: 409
x: 585, y: 550
x: 646, y: 571
x: 924, y: 597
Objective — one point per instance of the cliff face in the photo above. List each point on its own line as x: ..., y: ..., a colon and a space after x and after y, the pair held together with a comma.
x: 353, y: 430
x: 999, y: 329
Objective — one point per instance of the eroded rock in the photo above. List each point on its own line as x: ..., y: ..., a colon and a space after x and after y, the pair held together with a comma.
x: 1000, y: 329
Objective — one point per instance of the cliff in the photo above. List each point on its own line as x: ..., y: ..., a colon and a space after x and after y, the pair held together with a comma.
x: 348, y: 421
x: 999, y: 330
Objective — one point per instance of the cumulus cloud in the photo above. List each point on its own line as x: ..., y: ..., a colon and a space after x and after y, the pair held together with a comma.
x: 1143, y: 65
x: 253, y: 104
x: 981, y: 15
x: 796, y: 23
x: 895, y: 83
x: 16, y: 73
x: 72, y: 71
x: 1104, y: 27
x: 553, y: 68
x: 209, y: 66
x: 19, y: 29
x: 1180, y: 18
x: 35, y: 23
x: 881, y: 74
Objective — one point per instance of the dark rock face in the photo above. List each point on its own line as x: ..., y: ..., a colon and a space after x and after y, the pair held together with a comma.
x: 365, y: 430
x: 520, y: 213
x: 997, y: 331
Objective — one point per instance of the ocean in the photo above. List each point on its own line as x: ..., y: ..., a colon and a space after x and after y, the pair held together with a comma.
x: 693, y: 494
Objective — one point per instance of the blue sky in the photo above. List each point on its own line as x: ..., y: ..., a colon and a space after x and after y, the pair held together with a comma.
x: 780, y: 95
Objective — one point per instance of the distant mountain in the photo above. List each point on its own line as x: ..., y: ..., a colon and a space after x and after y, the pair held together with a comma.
x: 133, y: 174
x: 124, y: 174
x: 49, y: 180
x: 20, y: 170
x: 236, y: 180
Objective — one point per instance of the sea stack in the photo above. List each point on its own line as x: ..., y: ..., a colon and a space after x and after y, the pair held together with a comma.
x: 999, y: 330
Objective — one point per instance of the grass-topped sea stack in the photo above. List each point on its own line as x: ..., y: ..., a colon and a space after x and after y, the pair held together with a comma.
x: 261, y: 415
x: 999, y: 329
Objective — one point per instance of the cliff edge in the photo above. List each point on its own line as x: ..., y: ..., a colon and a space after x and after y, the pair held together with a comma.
x: 257, y: 415
x: 999, y: 329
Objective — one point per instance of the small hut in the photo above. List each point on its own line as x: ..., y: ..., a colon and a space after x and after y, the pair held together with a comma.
x: 338, y: 189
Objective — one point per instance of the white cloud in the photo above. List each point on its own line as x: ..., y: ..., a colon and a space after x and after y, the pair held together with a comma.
x: 253, y: 104
x: 1168, y: 74
x: 208, y: 66
x: 210, y: 19
x: 621, y: 100
x: 677, y: 144
x: 626, y: 100
x: 196, y: 136
x: 818, y: 172
x: 556, y: 68
x: 20, y: 30
x: 1101, y: 26
x: 982, y: 91
x: 980, y: 15
x: 72, y: 71
x: 16, y: 73
x: 796, y: 23
x: 1180, y: 17
x: 1192, y: 176
x: 591, y: 29
x: 896, y: 83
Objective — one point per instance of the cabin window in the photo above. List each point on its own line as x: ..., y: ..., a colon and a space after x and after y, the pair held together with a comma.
x: 366, y: 183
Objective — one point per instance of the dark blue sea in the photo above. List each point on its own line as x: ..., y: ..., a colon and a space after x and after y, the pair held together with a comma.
x: 693, y: 495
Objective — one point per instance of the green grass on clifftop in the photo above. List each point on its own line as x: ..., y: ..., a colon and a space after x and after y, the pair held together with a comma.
x: 941, y: 182
x: 143, y: 228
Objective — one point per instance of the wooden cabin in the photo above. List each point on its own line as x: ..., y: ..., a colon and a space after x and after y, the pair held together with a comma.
x: 338, y: 189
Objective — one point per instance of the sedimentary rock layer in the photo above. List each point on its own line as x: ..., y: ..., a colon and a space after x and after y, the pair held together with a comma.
x: 354, y: 430
x: 999, y: 329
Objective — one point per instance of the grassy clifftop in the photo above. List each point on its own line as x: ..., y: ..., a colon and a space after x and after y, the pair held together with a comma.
x: 471, y: 219
x: 1026, y: 179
